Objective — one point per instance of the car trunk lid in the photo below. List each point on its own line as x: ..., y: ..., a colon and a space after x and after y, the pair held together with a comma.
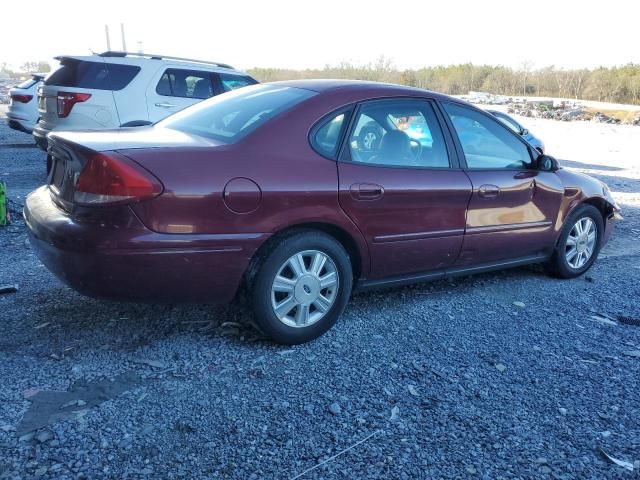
x: 72, y: 151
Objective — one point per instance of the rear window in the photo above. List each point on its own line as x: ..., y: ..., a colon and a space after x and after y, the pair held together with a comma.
x: 233, y: 115
x: 95, y: 75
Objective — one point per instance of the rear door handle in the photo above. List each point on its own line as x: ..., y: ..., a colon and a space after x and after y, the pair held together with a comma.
x: 165, y: 105
x: 488, y: 191
x: 366, y: 191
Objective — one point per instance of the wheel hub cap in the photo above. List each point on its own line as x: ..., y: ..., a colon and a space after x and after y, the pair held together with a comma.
x: 304, y: 288
x: 581, y: 242
x: 307, y: 289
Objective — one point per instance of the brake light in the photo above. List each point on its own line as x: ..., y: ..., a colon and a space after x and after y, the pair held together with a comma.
x: 66, y: 101
x: 113, y: 178
x: 21, y: 98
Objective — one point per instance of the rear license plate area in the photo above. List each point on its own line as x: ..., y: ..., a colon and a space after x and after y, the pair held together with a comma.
x: 59, y: 173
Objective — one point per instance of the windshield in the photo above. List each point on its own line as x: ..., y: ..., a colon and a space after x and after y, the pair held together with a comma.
x: 233, y: 115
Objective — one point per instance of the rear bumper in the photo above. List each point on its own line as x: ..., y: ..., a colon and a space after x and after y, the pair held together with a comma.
x: 18, y: 125
x: 40, y: 136
x: 134, y: 263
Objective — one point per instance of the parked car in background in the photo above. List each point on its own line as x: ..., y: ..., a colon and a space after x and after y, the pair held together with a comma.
x: 23, y: 104
x: 513, y: 124
x: 270, y: 189
x: 117, y: 89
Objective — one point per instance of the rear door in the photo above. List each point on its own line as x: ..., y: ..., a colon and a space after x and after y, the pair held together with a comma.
x: 175, y: 88
x: 514, y: 206
x: 404, y: 191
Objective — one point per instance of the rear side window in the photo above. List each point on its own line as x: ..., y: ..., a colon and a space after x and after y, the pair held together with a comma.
x: 326, y: 137
x: 231, y: 82
x: 232, y: 116
x: 94, y: 75
x: 185, y: 83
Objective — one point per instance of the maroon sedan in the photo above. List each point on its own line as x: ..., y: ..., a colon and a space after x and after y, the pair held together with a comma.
x: 301, y: 192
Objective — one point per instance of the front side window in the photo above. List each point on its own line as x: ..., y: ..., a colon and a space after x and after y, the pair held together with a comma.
x: 231, y: 82
x: 185, y: 83
x: 230, y: 117
x: 486, y: 142
x: 402, y: 133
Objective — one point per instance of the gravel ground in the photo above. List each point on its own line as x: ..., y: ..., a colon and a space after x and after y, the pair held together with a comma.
x: 444, y: 380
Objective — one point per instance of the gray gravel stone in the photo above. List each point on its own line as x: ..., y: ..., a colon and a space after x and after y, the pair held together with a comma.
x: 239, y: 407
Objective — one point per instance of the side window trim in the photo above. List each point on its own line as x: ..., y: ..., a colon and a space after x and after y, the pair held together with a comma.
x: 458, y: 145
x: 348, y: 112
x: 344, y: 154
x: 216, y: 82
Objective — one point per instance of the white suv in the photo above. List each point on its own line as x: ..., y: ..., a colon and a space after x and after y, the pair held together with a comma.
x: 118, y: 89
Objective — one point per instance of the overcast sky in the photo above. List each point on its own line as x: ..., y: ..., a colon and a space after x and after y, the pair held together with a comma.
x: 302, y: 34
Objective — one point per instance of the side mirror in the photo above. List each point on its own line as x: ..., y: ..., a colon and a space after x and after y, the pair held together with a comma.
x: 547, y: 163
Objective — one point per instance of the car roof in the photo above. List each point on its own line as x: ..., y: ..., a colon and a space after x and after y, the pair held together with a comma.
x: 372, y: 88
x: 144, y: 58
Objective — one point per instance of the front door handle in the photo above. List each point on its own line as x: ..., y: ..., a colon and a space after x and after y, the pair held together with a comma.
x: 165, y: 105
x: 488, y: 191
x: 366, y: 191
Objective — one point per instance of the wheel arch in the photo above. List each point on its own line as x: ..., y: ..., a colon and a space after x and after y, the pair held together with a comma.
x: 338, y: 233
x: 598, y: 203
x: 604, y: 207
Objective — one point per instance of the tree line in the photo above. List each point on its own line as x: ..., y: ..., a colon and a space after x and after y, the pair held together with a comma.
x: 614, y: 84
x: 25, y: 69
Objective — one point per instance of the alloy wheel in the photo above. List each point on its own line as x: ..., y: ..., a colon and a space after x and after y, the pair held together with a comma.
x: 304, y: 288
x: 581, y: 242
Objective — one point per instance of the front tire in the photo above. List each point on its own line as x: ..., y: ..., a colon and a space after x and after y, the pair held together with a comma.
x: 301, y: 287
x: 579, y: 243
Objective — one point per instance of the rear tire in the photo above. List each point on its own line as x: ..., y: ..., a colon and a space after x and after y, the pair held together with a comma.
x: 301, y: 287
x: 579, y: 243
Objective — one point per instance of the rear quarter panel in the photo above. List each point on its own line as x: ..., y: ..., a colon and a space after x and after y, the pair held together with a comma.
x: 297, y: 185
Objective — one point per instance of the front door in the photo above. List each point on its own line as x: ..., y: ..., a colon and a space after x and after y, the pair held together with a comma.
x: 397, y: 184
x: 514, y: 206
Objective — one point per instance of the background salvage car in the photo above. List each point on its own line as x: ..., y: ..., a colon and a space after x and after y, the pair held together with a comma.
x: 514, y: 125
x: 117, y: 89
x: 23, y: 107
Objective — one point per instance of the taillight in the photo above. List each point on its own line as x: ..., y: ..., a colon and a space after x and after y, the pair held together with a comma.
x: 113, y: 178
x: 66, y: 101
x: 21, y: 98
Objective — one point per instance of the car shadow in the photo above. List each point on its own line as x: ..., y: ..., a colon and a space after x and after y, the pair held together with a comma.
x: 63, y: 328
x: 616, y: 182
x: 588, y: 166
x: 453, y: 285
